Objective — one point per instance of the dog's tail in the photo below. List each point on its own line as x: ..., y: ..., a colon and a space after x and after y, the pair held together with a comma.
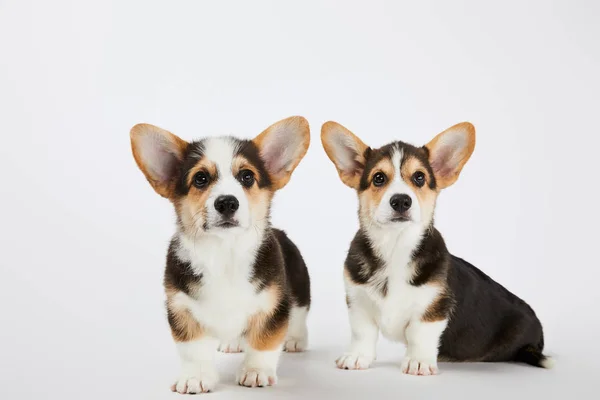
x: 533, y: 356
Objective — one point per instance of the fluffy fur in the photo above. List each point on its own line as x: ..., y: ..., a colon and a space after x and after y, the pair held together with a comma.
x: 232, y: 281
x: 401, y: 280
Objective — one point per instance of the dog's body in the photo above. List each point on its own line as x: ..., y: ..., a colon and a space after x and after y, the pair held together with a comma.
x: 230, y: 277
x: 401, y: 280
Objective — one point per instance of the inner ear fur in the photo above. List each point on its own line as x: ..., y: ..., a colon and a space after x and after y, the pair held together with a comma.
x: 346, y: 151
x: 449, y: 151
x: 282, y: 146
x: 159, y: 155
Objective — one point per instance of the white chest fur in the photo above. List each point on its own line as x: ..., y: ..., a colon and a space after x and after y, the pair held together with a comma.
x: 226, y: 299
x: 402, y: 301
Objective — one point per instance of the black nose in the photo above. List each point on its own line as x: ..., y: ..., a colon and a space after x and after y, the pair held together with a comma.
x: 400, y: 202
x: 227, y: 205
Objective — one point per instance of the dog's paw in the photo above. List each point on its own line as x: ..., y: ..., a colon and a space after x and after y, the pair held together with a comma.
x: 414, y: 366
x: 198, y: 383
x: 234, y: 346
x: 354, y: 361
x: 256, y: 377
x: 294, y: 345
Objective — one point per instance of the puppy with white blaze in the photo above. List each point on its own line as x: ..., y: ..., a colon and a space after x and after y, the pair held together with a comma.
x: 232, y: 281
x: 401, y: 280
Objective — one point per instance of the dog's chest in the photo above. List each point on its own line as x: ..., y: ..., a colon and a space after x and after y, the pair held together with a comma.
x: 225, y: 299
x: 401, y: 304
x: 224, y: 304
x: 395, y: 300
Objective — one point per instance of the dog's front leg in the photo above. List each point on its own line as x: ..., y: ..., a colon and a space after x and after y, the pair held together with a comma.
x: 365, y: 332
x: 264, y: 343
x: 423, y: 340
x: 196, y: 352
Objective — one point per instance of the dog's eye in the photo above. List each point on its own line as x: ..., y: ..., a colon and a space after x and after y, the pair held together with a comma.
x: 246, y: 177
x: 200, y: 179
x: 379, y: 179
x: 418, y: 178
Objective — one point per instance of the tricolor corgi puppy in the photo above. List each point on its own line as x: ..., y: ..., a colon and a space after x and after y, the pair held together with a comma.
x: 230, y: 277
x: 401, y: 280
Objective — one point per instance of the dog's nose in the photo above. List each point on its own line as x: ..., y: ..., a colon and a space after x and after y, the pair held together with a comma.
x: 400, y: 202
x: 227, y: 205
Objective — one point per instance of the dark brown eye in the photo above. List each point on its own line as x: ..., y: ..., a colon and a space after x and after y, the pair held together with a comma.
x: 246, y: 178
x: 418, y: 178
x: 379, y: 179
x: 201, y: 179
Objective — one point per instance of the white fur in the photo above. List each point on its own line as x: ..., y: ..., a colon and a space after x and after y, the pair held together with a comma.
x: 398, y: 314
x: 297, y: 336
x: 259, y: 368
x: 198, y: 373
x: 221, y: 151
x: 365, y: 331
x: 423, y: 341
x: 226, y: 298
x: 232, y: 346
x: 548, y: 363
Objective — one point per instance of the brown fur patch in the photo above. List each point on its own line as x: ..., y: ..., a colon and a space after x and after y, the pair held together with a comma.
x: 192, y: 208
x: 425, y: 195
x: 203, y: 165
x: 240, y: 163
x: 439, y: 309
x: 332, y: 134
x: 261, y: 334
x: 177, y: 146
x: 184, y: 327
x: 369, y: 199
x: 259, y: 199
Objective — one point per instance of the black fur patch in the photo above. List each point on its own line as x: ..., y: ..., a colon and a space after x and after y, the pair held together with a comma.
x: 279, y: 261
x: 191, y: 156
x: 431, y: 259
x: 361, y: 262
x: 295, y: 269
x: 489, y: 323
x: 179, y: 275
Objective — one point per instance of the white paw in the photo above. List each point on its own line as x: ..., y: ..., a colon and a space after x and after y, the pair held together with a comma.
x: 234, y: 346
x: 256, y: 377
x: 413, y: 366
x: 354, y: 361
x: 200, y: 383
x: 293, y: 345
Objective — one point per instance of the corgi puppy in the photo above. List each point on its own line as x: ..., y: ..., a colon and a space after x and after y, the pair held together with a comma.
x: 401, y: 280
x: 230, y: 278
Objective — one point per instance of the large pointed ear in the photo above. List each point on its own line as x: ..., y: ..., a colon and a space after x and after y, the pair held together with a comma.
x: 282, y: 146
x: 346, y: 151
x: 449, y: 151
x: 159, y: 154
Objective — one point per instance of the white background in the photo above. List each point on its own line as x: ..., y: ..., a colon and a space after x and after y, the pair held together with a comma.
x: 83, y: 236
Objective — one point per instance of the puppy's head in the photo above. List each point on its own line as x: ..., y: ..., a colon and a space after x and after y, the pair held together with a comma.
x: 398, y: 183
x: 220, y: 185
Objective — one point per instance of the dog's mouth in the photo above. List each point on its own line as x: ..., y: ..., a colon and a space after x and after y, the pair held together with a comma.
x: 400, y: 218
x: 226, y: 224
